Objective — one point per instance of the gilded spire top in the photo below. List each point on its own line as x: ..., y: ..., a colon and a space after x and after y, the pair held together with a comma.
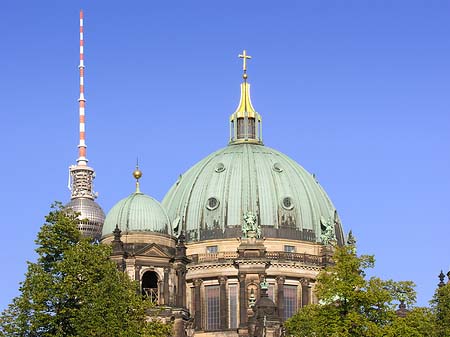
x: 244, y: 58
x: 137, y: 174
x: 245, y: 107
x: 245, y: 121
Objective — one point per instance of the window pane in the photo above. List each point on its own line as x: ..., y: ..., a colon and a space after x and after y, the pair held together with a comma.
x: 212, y: 308
x: 211, y: 249
x: 233, y: 306
x: 290, y: 301
x: 270, y: 292
x: 289, y: 249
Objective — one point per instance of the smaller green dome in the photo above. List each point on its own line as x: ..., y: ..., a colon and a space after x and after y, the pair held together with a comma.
x: 137, y: 213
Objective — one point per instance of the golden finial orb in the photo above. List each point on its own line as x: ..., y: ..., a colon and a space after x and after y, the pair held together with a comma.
x: 137, y: 174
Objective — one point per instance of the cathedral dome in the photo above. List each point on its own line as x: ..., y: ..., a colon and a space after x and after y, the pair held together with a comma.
x: 210, y: 199
x: 137, y: 213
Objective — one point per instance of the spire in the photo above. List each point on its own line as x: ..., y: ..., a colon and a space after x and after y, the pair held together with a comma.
x: 441, y: 279
x: 245, y: 121
x: 82, y: 160
x: 137, y: 174
x: 351, y: 241
x: 81, y: 176
x: 245, y: 104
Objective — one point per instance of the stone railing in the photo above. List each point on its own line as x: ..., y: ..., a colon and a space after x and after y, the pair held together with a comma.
x: 214, y: 257
x: 152, y: 294
x: 279, y: 256
x: 297, y: 257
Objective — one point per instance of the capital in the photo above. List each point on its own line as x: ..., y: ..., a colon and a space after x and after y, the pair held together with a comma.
x: 198, y: 282
x: 280, y: 279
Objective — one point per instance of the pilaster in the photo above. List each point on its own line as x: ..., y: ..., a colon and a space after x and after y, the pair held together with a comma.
x: 197, y: 304
x: 280, y: 295
x: 223, y: 303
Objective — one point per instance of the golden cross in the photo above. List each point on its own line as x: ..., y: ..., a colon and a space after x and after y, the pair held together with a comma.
x: 244, y: 58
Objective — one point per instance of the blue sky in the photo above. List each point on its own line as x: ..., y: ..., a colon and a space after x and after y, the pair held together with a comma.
x: 357, y: 92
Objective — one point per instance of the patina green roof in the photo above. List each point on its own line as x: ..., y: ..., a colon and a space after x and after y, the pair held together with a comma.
x: 210, y: 199
x: 137, y: 213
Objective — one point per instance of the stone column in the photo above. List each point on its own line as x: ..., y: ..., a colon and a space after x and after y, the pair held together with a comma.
x: 166, y: 292
x: 242, y: 301
x: 137, y: 273
x: 197, y: 304
x: 181, y: 287
x: 305, y: 292
x: 223, y: 303
x: 280, y: 296
x: 178, y: 326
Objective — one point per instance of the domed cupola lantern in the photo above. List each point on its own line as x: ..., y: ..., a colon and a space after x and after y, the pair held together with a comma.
x: 245, y: 122
x: 137, y: 213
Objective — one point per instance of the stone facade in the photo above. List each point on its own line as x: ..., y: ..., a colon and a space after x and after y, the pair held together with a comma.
x: 212, y: 287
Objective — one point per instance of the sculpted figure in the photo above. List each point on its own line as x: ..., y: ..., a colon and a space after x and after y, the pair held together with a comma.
x: 327, y: 227
x: 250, y: 226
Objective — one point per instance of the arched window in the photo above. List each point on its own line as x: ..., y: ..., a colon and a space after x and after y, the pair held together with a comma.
x: 150, y: 286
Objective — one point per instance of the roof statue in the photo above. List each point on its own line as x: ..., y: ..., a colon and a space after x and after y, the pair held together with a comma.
x: 250, y: 226
x: 351, y: 241
x: 441, y: 279
x: 327, y: 226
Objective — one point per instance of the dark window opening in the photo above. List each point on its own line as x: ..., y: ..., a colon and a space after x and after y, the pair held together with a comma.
x: 150, y: 286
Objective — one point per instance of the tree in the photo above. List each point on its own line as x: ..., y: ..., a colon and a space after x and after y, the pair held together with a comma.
x: 419, y: 322
x: 441, y: 308
x: 351, y: 305
x: 74, y: 289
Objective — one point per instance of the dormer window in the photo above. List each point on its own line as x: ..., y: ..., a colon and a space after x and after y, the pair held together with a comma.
x: 289, y: 249
x: 212, y: 249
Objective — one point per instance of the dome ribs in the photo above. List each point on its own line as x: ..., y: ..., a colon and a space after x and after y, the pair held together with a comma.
x: 285, y: 197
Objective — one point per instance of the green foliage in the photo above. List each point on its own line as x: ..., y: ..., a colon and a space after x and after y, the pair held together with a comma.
x: 156, y: 328
x: 351, y: 305
x: 441, y: 307
x: 74, y: 289
x: 419, y: 322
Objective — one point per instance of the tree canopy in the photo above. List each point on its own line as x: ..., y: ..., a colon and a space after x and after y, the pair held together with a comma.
x: 352, y: 305
x: 74, y: 289
x: 441, y: 308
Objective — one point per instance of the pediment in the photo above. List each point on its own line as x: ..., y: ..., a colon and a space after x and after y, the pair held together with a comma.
x: 152, y: 250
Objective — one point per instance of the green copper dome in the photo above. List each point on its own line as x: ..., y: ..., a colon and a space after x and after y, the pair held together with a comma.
x: 137, y: 213
x: 210, y: 199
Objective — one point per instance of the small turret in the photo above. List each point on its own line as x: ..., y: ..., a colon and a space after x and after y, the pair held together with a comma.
x: 441, y: 279
x: 245, y: 122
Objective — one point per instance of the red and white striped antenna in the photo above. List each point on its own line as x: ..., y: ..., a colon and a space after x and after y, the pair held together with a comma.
x: 82, y: 160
